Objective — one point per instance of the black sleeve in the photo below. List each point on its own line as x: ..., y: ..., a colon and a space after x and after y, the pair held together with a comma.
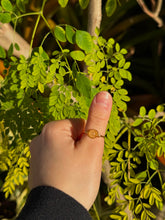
x: 48, y: 203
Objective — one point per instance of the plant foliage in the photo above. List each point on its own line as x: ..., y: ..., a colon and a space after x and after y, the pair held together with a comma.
x: 46, y: 87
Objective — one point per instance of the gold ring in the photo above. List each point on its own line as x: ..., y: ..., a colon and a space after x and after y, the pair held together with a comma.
x: 93, y: 133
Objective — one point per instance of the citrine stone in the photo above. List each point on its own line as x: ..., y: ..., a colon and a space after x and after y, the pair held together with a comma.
x: 92, y: 133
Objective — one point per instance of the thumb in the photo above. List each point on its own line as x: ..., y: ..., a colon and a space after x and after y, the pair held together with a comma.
x: 99, y: 112
x: 98, y: 116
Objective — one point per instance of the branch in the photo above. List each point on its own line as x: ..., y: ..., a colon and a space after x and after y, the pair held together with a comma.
x: 9, y: 36
x: 94, y: 16
x: 153, y: 14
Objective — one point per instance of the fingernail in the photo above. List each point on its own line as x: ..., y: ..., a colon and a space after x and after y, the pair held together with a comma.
x: 103, y: 98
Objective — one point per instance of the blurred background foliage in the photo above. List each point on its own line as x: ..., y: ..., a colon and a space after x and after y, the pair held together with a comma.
x: 129, y: 26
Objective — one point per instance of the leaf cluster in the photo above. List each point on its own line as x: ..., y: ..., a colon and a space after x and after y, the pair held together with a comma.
x: 46, y: 87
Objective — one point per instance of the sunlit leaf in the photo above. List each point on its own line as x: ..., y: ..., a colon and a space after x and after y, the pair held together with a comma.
x: 83, y: 85
x: 60, y: 33
x: 142, y: 111
x: 138, y: 208
x: 84, y: 40
x: 70, y: 34
x: 137, y: 122
x: 154, y: 164
x: 151, y: 114
x: 6, y: 4
x: 77, y: 55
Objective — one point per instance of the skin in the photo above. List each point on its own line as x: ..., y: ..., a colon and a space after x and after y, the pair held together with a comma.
x: 61, y: 159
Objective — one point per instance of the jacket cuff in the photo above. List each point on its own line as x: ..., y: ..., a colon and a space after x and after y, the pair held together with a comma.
x: 45, y: 202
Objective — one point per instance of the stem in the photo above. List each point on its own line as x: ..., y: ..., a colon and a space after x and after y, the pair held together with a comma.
x: 45, y: 21
x: 160, y: 178
x: 40, y: 14
x: 120, y: 134
x: 64, y: 58
x: 28, y: 14
x: 44, y: 38
x: 34, y: 32
x: 152, y: 176
x: 129, y: 148
x: 96, y: 212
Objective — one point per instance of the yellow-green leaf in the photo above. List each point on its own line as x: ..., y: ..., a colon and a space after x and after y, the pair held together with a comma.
x: 77, y: 55
x: 84, y: 40
x: 60, y: 33
x: 6, y: 4
x: 138, y: 208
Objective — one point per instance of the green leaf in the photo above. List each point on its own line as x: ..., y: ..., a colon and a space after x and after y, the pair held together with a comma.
x: 136, y: 181
x: 138, y: 209
x: 137, y: 122
x: 127, y: 65
x: 142, y: 175
x: 121, y: 63
x: 84, y: 40
x: 150, y: 214
x: 21, y: 5
x: 70, y: 34
x: 77, y: 55
x: 131, y: 205
x: 63, y: 3
x: 117, y: 47
x: 160, y: 108
x: 110, y: 7
x: 41, y: 87
x: 138, y: 188
x: 100, y: 55
x: 154, y: 164
x: 142, y: 111
x: 5, y: 17
x: 83, y: 85
x: 6, y: 4
x: 83, y: 3
x: 128, y: 197
x: 60, y: 33
x: 115, y: 217
x: 143, y: 215
x: 123, y: 51
x: 2, y: 53
x: 151, y: 114
x: 17, y: 46
x: 123, y: 73
x: 10, y: 51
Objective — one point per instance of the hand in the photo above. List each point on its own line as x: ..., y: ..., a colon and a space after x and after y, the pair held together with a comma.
x: 59, y: 158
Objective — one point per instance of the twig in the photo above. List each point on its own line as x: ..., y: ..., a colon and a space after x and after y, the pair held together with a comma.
x: 153, y: 14
x: 9, y: 36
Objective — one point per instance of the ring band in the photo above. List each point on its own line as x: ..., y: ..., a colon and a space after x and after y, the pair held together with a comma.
x: 93, y: 133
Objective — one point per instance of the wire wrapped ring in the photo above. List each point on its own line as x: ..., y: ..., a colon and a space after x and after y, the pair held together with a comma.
x: 93, y: 133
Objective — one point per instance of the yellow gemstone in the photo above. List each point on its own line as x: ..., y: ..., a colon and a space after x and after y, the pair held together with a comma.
x: 92, y: 133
